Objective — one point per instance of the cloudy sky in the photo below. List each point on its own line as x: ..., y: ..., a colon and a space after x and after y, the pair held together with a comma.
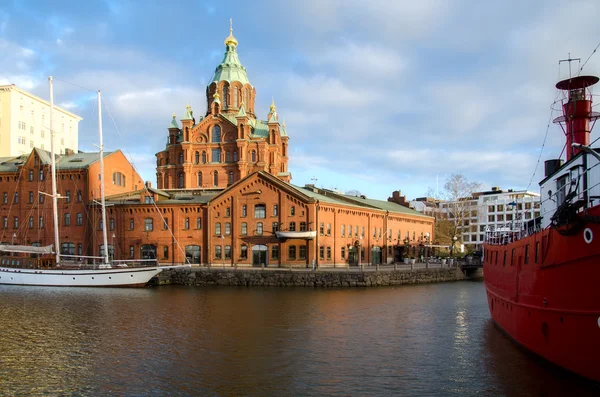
x: 376, y: 95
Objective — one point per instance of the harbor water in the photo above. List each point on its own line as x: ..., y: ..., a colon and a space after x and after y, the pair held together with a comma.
x: 434, y: 339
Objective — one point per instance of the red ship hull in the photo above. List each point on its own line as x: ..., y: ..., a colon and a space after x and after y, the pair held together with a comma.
x: 544, y: 291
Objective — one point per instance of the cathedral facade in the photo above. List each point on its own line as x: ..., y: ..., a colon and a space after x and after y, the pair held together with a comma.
x: 228, y: 142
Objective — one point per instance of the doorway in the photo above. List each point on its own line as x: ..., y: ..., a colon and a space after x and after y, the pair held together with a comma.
x: 259, y: 255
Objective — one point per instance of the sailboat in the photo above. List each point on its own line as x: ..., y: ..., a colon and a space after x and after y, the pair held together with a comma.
x: 64, y: 272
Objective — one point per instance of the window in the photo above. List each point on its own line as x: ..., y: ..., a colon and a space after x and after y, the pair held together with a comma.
x: 67, y: 219
x: 561, y: 189
x: 230, y: 178
x: 148, y: 224
x: 186, y: 225
x: 216, y: 179
x: 165, y: 223
x: 131, y: 251
x: 111, y: 224
x: 181, y: 180
x: 228, y: 212
x: 41, y: 222
x: 198, y: 223
x: 356, y: 232
x: 118, y: 179
x: 16, y: 222
x: 302, y: 226
x: 16, y: 198
x: 227, y: 157
x: 79, y: 196
x: 292, y: 227
x: 228, y: 229
x: 253, y: 156
x: 30, y: 197
x: 343, y: 232
x: 244, y: 210
x: 292, y: 252
x: 228, y: 252
x: 5, y: 222
x: 199, y: 179
x: 328, y: 253
x: 244, y: 229
x: 196, y: 158
x: 292, y: 210
x: 275, y: 252
x: 30, y: 224
x: 321, y: 228
x: 374, y: 232
x: 30, y: 175
x: 275, y: 210
x: 166, y: 252
x: 218, y: 228
x: 329, y: 229
x: 343, y: 253
x: 180, y: 158
x: 275, y: 227
x: 203, y: 157
x: 131, y: 223
x: 302, y: 252
x: 67, y: 249
x: 259, y: 229
x: 260, y: 211
x: 41, y: 175
x: 235, y: 156
x: 244, y: 251
x: 6, y: 198
x: 79, y: 219
x: 321, y: 252
x: 216, y: 134
x: 218, y: 252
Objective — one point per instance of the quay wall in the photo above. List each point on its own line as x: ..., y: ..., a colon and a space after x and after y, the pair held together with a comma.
x: 200, y: 277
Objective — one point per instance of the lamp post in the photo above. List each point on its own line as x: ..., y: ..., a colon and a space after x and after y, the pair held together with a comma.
x: 453, y: 244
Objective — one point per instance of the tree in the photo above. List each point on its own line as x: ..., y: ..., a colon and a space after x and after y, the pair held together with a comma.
x: 458, y: 194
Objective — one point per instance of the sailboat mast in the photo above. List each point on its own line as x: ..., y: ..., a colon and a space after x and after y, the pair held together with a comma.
x: 104, y: 225
x: 54, y: 194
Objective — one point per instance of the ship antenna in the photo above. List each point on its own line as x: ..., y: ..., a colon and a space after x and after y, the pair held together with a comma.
x: 569, y: 59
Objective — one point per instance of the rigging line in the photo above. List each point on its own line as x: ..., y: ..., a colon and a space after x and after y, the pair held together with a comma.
x: 543, y: 145
x: 586, y: 61
x: 73, y: 84
x: 145, y: 188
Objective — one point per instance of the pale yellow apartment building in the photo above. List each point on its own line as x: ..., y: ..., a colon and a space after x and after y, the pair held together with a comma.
x: 25, y: 124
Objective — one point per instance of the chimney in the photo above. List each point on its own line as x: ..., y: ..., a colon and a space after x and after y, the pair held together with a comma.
x: 148, y: 184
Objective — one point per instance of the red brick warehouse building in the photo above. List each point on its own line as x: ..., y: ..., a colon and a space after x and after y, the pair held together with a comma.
x: 224, y: 197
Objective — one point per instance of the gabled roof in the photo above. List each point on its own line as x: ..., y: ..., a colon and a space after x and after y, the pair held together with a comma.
x: 74, y: 161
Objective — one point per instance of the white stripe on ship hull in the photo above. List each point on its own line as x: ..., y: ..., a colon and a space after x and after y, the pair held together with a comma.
x: 77, y: 278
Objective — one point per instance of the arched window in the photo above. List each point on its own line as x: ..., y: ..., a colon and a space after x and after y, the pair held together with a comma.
x: 216, y: 134
x: 216, y: 179
x: 216, y: 155
x: 253, y: 156
x: 199, y: 179
x: 203, y: 157
x: 235, y: 97
x: 230, y: 177
x: 244, y: 230
x: 235, y: 156
x: 196, y: 158
x: 225, y: 95
x: 118, y: 179
x: 259, y: 229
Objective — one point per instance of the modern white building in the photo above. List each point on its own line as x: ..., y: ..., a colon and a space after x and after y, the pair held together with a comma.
x: 25, y: 124
x: 484, y: 211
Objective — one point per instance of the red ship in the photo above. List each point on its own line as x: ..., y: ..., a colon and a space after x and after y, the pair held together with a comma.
x: 543, y: 280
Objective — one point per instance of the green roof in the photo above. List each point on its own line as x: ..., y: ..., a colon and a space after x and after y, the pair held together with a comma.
x: 67, y: 162
x: 173, y: 123
x: 231, y: 68
x: 188, y: 114
x: 242, y: 112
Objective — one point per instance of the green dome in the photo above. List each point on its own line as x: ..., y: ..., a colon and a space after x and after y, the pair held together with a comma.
x: 231, y: 68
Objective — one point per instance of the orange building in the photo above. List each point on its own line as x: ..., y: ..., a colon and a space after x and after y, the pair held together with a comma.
x: 224, y: 197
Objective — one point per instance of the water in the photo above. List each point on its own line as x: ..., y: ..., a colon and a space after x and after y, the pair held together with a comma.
x: 175, y: 341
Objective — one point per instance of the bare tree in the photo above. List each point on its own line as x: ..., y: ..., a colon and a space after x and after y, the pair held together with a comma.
x: 458, y: 194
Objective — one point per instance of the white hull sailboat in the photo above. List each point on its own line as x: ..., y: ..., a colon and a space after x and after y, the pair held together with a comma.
x: 70, y: 271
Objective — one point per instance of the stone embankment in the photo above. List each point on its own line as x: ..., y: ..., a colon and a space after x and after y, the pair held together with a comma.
x: 203, y: 276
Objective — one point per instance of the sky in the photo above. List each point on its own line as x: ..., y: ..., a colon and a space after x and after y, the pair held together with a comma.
x: 376, y: 95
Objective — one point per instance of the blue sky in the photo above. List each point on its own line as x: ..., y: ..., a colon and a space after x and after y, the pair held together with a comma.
x: 377, y: 95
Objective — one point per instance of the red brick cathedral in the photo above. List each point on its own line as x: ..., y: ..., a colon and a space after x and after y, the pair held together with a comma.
x: 229, y: 142
x: 224, y: 197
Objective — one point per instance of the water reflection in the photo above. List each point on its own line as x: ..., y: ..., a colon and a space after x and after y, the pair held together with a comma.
x: 421, y: 340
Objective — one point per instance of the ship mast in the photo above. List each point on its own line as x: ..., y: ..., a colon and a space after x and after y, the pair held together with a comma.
x: 53, y: 168
x: 102, y: 203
